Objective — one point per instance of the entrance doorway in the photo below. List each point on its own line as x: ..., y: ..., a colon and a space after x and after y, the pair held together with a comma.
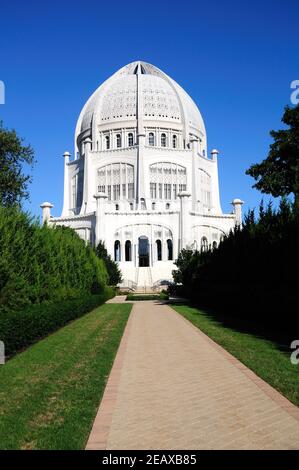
x: 143, y: 251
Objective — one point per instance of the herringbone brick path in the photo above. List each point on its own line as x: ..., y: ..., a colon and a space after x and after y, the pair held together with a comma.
x: 172, y: 388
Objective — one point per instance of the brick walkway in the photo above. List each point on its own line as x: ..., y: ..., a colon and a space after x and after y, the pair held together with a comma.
x: 171, y: 387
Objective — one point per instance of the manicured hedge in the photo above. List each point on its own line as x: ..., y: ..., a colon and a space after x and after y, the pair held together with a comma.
x: 253, y: 274
x: 20, y: 329
x: 160, y: 296
x: 44, y: 264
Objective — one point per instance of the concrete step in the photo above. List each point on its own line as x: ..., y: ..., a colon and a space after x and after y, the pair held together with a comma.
x: 144, y: 280
x: 144, y: 290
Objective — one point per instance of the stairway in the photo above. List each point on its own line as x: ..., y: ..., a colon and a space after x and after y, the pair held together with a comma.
x: 144, y: 280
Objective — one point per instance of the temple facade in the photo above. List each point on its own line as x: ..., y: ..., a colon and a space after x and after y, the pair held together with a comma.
x: 141, y: 179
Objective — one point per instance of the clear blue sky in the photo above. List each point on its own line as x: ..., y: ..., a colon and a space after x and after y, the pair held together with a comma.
x: 235, y: 58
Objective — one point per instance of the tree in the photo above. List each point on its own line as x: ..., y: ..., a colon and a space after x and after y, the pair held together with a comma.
x: 278, y: 174
x: 13, y: 156
x: 187, y: 264
x: 111, y: 266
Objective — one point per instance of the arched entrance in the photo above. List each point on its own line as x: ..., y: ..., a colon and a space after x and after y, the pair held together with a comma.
x: 143, y: 251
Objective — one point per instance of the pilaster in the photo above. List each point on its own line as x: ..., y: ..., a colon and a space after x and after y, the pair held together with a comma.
x: 66, y: 188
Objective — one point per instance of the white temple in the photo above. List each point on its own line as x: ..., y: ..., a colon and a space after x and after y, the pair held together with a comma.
x: 142, y: 180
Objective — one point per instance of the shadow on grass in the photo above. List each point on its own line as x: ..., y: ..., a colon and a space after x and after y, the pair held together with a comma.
x: 271, y: 331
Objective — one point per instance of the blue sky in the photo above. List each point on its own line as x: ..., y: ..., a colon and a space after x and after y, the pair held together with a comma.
x: 235, y: 58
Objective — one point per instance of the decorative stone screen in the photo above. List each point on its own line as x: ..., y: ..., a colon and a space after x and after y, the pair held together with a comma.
x: 205, y: 189
x: 117, y: 181
x: 76, y: 190
x: 167, y: 180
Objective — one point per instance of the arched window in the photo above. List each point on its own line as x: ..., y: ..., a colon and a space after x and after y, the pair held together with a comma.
x: 169, y: 249
x: 130, y: 139
x: 153, y: 206
x: 167, y: 206
x: 159, y: 250
x: 116, y: 207
x: 151, y: 139
x: 107, y: 138
x: 142, y: 204
x: 117, y: 250
x: 214, y: 245
x: 174, y: 141
x: 118, y: 140
x: 204, y: 244
x: 131, y: 206
x: 163, y: 140
x: 128, y: 251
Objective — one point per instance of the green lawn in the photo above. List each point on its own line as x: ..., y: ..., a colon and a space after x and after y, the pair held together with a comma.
x: 49, y: 394
x: 264, y: 357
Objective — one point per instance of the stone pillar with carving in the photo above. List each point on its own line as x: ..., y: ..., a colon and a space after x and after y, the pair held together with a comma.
x: 100, y: 216
x: 66, y: 191
x: 184, y: 209
x: 237, y: 205
x: 194, y: 146
x: 46, y: 212
x: 88, y: 178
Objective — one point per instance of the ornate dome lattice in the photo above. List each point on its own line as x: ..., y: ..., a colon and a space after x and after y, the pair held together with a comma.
x: 164, y: 103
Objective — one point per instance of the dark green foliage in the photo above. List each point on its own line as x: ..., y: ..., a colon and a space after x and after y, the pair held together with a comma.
x: 111, y: 266
x: 39, y: 264
x: 186, y: 262
x: 19, y: 329
x: 161, y: 296
x: 253, y: 272
x: 48, y: 276
x: 13, y: 156
x: 278, y: 174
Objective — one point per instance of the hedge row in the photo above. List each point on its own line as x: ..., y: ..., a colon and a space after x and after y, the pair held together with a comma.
x: 136, y: 297
x: 253, y: 274
x: 20, y: 329
x: 41, y: 263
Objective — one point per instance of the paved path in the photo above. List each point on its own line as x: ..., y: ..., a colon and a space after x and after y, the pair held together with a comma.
x: 171, y: 387
x: 118, y: 299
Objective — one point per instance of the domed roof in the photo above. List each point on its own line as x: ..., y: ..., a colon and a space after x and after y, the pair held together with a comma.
x: 140, y: 91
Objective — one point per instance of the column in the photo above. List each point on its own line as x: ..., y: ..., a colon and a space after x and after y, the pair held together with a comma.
x: 184, y: 203
x: 140, y: 190
x: 121, y: 182
x: 237, y: 205
x: 85, y: 180
x: 100, y: 217
x: 66, y: 189
x: 194, y: 147
x: 46, y: 211
x: 122, y: 246
x: 215, y: 197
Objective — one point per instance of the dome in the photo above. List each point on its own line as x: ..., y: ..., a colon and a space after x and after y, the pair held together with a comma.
x: 140, y: 92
